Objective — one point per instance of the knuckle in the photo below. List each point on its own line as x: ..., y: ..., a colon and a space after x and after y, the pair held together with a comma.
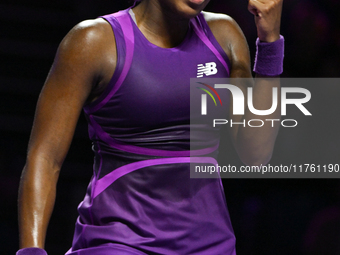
x: 277, y: 2
x: 270, y: 6
x: 266, y: 9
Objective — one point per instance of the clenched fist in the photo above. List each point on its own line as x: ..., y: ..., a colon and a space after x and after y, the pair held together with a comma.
x: 267, y: 18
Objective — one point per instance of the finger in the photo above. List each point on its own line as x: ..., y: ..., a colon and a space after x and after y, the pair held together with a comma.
x: 257, y: 4
x: 254, y: 7
x: 253, y: 11
x: 264, y: 6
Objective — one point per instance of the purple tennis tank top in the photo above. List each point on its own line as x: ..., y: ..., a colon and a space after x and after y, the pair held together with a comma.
x: 141, y: 199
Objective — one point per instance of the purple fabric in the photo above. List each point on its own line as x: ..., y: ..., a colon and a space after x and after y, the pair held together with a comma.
x: 125, y: 22
x: 108, y: 249
x: 140, y: 197
x: 31, y: 251
x: 269, y: 57
x: 151, y: 109
x: 207, y: 42
x: 146, y: 151
x: 203, y: 25
x: 158, y: 211
x: 121, y: 55
x: 108, y: 179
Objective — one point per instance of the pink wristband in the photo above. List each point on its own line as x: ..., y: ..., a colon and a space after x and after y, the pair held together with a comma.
x: 269, y: 57
x: 31, y: 251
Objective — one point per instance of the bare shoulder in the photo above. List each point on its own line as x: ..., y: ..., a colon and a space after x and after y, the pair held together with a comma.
x: 232, y: 40
x: 88, y: 35
x: 224, y: 28
x: 88, y: 51
x: 96, y: 26
x: 218, y: 19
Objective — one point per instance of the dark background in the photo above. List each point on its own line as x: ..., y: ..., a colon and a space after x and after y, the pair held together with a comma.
x: 270, y: 216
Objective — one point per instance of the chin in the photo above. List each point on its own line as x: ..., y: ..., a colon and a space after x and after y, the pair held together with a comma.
x: 189, y: 8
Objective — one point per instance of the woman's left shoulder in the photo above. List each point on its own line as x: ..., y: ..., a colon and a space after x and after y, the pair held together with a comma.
x: 231, y: 38
x: 224, y: 28
x: 219, y: 21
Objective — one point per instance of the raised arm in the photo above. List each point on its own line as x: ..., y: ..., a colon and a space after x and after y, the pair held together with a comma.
x: 253, y: 144
x: 83, y: 65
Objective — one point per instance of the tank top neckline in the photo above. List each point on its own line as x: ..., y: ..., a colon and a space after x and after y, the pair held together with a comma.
x: 143, y: 38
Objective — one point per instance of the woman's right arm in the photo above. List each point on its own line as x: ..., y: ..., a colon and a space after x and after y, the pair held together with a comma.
x: 84, y: 64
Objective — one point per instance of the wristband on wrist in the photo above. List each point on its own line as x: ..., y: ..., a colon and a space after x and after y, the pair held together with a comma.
x: 31, y: 251
x: 269, y: 57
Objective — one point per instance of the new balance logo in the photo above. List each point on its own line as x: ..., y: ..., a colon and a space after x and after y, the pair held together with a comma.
x: 207, y: 69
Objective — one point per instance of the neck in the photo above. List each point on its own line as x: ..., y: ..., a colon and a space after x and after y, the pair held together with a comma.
x: 159, y: 24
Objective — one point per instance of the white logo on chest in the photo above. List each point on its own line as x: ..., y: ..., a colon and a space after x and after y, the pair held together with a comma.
x: 207, y: 69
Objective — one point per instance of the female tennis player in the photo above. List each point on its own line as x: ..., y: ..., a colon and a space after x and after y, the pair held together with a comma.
x: 130, y: 72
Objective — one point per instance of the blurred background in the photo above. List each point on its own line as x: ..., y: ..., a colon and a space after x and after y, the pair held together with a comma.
x: 269, y: 216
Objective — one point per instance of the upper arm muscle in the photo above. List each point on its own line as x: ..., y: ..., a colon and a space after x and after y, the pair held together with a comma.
x: 81, y: 62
